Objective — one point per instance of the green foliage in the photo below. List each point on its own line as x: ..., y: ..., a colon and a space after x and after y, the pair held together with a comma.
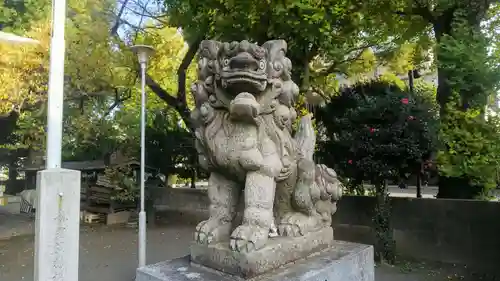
x: 365, y: 64
x: 392, y: 79
x: 169, y: 147
x: 18, y: 15
x: 88, y: 134
x: 401, y: 61
x: 470, y: 70
x: 331, y: 33
x: 471, y: 149
x: 170, y: 49
x: 24, y: 71
x: 93, y: 70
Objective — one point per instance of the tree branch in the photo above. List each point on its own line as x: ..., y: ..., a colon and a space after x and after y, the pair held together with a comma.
x: 181, y: 71
x: 424, y: 11
x: 160, y: 92
x: 146, y: 13
x: 114, y: 29
x: 119, y: 100
x: 179, y: 102
x: 421, y: 10
x: 334, y: 66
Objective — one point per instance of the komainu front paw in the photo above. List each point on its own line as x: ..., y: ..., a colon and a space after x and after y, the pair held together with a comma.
x: 247, y: 238
x: 212, y: 231
x: 298, y: 224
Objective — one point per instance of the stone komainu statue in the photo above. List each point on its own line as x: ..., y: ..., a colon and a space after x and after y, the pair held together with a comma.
x: 244, y: 113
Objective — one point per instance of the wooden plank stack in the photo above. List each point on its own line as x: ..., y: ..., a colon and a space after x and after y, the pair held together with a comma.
x: 98, y: 203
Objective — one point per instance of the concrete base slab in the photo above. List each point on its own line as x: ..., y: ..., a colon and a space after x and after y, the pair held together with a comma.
x: 279, y: 251
x: 341, y: 262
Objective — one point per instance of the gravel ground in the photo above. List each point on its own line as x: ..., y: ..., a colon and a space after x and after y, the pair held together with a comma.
x: 15, y: 225
x: 110, y: 253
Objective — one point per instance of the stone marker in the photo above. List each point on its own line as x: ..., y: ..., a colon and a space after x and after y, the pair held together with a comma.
x: 57, y: 225
x: 244, y: 115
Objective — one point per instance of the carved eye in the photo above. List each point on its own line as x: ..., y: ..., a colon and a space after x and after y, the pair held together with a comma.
x: 225, y: 62
x: 262, y: 64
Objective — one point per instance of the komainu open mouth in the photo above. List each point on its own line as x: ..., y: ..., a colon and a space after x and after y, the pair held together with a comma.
x: 244, y: 81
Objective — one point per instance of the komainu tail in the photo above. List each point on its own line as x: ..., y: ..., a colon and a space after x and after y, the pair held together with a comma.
x: 306, y: 138
x: 317, y: 188
x: 305, y: 189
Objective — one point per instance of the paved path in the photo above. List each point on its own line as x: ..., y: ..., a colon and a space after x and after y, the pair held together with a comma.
x: 14, y: 225
x: 111, y: 254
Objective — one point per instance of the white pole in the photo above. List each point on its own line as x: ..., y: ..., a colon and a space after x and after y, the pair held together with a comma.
x: 143, y: 53
x: 142, y: 213
x: 58, y: 212
x: 56, y: 85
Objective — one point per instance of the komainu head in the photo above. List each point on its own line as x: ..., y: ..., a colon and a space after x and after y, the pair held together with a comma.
x: 237, y: 67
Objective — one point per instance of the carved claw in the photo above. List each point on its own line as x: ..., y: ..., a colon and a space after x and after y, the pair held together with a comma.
x: 292, y: 230
x: 298, y: 224
x: 212, y: 231
x: 248, y: 238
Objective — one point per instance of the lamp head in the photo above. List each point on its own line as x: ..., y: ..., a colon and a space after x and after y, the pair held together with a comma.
x: 143, y: 52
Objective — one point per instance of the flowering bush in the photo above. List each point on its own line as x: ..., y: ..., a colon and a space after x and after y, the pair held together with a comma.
x: 376, y: 131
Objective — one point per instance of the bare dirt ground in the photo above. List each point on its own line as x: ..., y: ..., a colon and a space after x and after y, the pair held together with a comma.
x: 110, y: 253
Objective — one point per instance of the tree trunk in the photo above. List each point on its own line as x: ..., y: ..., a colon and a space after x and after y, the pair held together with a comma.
x: 193, y: 177
x: 442, y: 27
x: 8, y: 125
x: 419, y: 185
x: 12, y: 187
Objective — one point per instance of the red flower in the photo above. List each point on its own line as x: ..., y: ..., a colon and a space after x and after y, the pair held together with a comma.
x: 405, y: 100
x: 372, y: 130
x: 349, y: 161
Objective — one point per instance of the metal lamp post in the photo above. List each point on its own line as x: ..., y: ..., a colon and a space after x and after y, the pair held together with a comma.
x: 412, y: 75
x: 143, y: 53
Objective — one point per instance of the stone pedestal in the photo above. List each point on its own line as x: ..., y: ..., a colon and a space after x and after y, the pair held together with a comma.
x: 278, y: 252
x: 341, y: 261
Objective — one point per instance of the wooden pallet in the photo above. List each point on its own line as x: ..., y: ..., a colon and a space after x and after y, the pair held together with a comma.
x: 93, y: 218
